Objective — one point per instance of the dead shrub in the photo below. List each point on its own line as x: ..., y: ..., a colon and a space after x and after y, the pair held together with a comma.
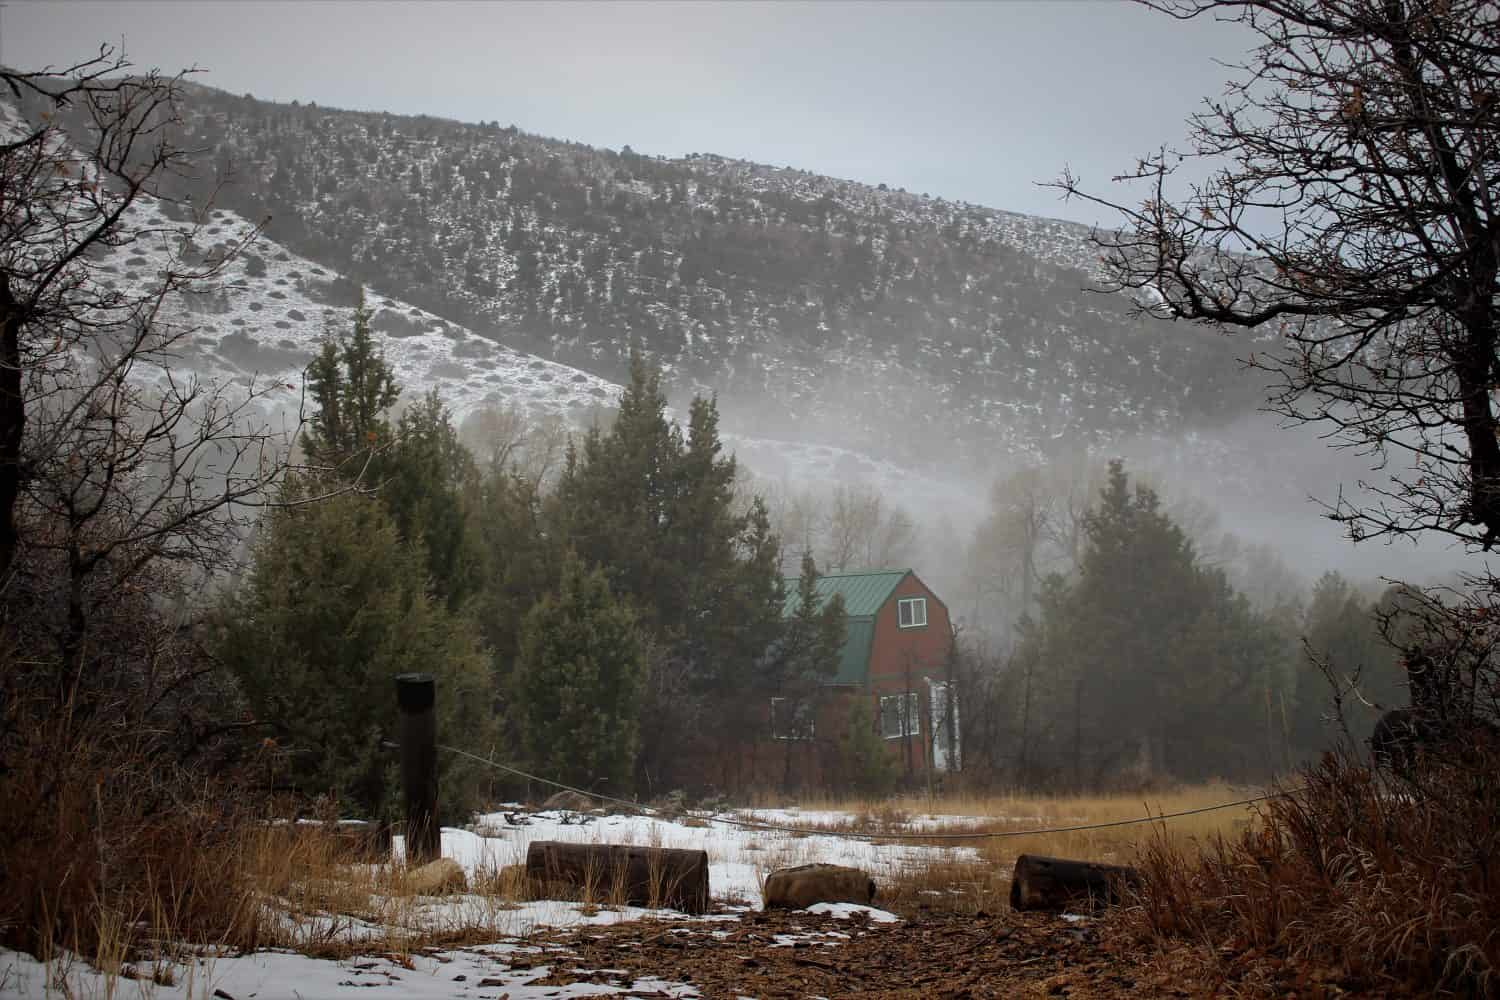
x: 1391, y: 882
x: 101, y: 851
x: 966, y: 887
x: 120, y: 763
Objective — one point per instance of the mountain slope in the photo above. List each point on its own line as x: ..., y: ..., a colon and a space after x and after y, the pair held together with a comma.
x: 922, y: 329
x: 264, y: 317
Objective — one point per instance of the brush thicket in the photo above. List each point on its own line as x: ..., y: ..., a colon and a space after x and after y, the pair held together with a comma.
x: 1392, y: 882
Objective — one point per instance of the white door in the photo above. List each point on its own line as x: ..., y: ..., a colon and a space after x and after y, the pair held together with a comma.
x: 944, y: 726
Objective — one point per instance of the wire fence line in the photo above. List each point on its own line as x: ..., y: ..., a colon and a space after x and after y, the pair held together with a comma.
x: 921, y: 837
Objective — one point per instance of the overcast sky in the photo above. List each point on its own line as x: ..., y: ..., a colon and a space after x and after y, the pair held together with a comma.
x: 974, y: 101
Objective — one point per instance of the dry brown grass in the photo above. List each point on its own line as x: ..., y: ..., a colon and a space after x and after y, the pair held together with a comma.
x: 97, y: 846
x: 141, y: 886
x: 968, y: 887
x: 1390, y: 885
x: 961, y: 882
x: 315, y: 900
x: 1015, y: 811
x: 221, y: 882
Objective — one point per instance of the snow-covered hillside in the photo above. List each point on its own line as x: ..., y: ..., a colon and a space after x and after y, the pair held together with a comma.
x: 917, y: 328
x: 265, y: 315
x: 268, y: 311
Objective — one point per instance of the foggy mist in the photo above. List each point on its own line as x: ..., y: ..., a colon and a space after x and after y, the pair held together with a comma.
x: 710, y: 499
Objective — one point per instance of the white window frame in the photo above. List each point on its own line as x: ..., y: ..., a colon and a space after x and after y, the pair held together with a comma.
x: 803, y: 720
x: 890, y: 709
x: 909, y: 610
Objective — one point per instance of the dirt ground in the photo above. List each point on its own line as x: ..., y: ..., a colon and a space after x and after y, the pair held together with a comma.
x: 937, y: 955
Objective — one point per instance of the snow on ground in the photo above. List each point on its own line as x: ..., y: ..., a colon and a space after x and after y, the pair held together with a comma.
x: 739, y: 859
x: 490, y: 971
x: 844, y: 911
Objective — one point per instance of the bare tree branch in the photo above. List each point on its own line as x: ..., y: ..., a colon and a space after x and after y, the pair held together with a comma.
x: 1349, y: 226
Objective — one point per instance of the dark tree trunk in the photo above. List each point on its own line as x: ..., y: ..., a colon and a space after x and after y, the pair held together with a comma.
x: 12, y: 424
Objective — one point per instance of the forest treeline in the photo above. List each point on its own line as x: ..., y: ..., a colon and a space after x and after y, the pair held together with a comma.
x: 1139, y: 655
x: 601, y: 608
x: 607, y: 609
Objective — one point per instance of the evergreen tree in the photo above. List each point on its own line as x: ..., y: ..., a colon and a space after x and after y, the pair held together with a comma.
x: 803, y: 658
x: 614, y: 497
x: 657, y: 512
x: 516, y: 556
x: 578, y: 682
x: 1155, y: 659
x: 334, y: 607
x: 867, y: 767
x: 426, y: 480
x: 1126, y: 642
x: 1343, y: 640
x: 419, y: 468
x: 807, y: 654
x: 353, y: 387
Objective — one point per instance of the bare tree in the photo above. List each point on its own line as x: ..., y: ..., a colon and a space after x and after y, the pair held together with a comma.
x: 1074, y: 483
x: 803, y: 517
x: 1006, y: 554
x: 116, y: 472
x: 1351, y: 220
x: 508, y: 440
x: 865, y: 532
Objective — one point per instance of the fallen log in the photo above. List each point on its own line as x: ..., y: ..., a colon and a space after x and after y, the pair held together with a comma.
x: 801, y: 887
x: 1041, y: 883
x: 643, y: 876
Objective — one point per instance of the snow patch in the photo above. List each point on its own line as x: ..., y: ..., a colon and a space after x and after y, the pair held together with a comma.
x: 844, y: 911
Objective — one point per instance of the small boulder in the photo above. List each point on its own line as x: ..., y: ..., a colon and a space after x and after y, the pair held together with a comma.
x: 801, y: 887
x: 437, y: 878
x: 570, y: 801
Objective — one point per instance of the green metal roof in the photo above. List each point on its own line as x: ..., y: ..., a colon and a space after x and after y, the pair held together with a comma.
x: 863, y: 592
x: 854, y: 660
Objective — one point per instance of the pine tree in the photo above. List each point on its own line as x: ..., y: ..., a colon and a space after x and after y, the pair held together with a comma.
x: 807, y: 654
x: 334, y: 607
x: 614, y: 496
x: 419, y: 468
x: 657, y: 512
x: 867, y: 766
x: 516, y: 555
x: 427, y: 479
x: 798, y: 663
x: 1152, y: 658
x: 353, y: 387
x: 578, y: 681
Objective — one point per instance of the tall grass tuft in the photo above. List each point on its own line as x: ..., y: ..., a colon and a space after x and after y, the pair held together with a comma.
x: 98, y: 845
x: 1390, y: 881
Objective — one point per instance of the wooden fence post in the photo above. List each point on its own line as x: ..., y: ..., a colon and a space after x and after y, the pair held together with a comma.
x: 415, y: 697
